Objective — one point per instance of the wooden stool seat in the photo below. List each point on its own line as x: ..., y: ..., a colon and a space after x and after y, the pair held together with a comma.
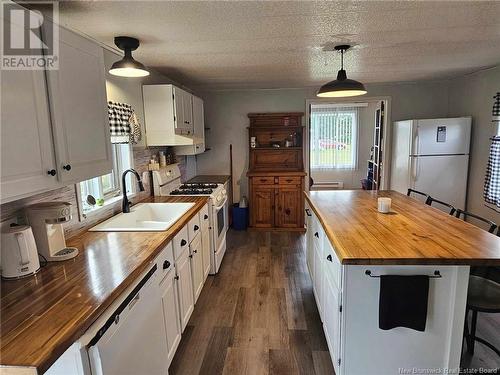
x: 483, y: 294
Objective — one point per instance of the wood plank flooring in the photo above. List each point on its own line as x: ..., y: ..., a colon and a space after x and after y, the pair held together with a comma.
x: 258, y: 315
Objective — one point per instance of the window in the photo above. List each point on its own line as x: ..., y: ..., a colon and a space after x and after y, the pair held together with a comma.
x: 333, y: 137
x: 104, y: 187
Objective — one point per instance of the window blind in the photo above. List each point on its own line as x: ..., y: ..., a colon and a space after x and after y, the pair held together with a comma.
x: 333, y: 137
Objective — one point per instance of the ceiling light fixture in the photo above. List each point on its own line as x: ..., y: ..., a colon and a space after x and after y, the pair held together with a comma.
x: 342, y: 86
x: 128, y: 66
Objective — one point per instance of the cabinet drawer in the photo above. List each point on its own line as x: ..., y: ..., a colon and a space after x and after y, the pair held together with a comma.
x: 181, y: 242
x: 333, y: 268
x: 204, y: 218
x: 194, y: 227
x: 264, y: 180
x: 165, y: 261
x: 293, y: 180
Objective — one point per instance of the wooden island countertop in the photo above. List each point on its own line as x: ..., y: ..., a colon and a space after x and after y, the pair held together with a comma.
x: 42, y: 315
x: 412, y: 234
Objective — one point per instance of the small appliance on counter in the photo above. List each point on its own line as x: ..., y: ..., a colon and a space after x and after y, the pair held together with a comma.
x: 19, y: 253
x: 46, y: 219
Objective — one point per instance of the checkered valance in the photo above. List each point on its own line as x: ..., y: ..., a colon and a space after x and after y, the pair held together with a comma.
x: 123, y: 124
x: 492, y: 181
x: 496, y: 109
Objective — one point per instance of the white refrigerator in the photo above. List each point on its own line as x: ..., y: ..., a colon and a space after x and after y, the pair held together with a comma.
x: 432, y: 156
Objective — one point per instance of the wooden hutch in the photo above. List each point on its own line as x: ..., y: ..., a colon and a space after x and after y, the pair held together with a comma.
x: 276, y: 171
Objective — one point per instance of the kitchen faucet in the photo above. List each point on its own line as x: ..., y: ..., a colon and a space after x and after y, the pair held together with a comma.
x: 125, y: 202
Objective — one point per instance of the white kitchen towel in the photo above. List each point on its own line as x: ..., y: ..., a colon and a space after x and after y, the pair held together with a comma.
x: 492, y: 180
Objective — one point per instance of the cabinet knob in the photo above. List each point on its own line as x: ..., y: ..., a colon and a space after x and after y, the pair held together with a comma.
x: 191, y: 256
x: 176, y: 277
x: 183, y: 242
x: 205, y: 217
x: 52, y: 172
x: 329, y: 257
x: 196, y: 227
x: 67, y: 167
x: 308, y: 212
x: 166, y: 264
x: 316, y: 234
x: 195, y: 251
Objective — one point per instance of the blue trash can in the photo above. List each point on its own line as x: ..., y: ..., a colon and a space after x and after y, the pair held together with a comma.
x: 240, y: 217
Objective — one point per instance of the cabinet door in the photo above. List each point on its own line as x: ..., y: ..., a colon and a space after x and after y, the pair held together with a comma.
x: 79, y: 109
x: 26, y: 139
x: 187, y: 105
x: 179, y: 110
x: 309, y: 241
x: 331, y: 321
x: 262, y: 206
x: 205, y: 243
x: 196, y: 266
x: 289, y: 211
x: 170, y: 302
x: 199, y: 121
x: 185, y: 288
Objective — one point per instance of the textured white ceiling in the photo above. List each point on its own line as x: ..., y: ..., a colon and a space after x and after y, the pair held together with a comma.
x: 279, y: 44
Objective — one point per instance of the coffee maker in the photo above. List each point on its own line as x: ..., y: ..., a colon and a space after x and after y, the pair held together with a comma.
x: 47, y: 221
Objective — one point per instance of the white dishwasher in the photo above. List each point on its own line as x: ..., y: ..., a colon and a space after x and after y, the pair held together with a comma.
x: 133, y: 339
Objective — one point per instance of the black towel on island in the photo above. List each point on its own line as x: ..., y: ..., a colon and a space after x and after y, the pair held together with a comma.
x: 403, y: 301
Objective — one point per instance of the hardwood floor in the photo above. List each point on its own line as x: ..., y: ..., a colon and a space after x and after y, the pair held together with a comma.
x: 258, y: 315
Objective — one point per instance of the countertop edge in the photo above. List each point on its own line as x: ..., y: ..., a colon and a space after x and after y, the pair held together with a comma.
x: 82, y: 326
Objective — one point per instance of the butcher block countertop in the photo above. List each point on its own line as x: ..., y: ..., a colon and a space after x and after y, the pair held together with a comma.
x: 41, y: 316
x: 412, y: 234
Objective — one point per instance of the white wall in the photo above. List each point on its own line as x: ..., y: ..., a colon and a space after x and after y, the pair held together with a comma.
x: 226, y: 115
x: 473, y: 95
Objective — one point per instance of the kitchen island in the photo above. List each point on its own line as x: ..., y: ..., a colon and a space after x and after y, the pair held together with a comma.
x: 349, y: 244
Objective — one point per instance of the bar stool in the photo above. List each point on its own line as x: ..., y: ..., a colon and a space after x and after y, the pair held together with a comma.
x: 431, y: 200
x: 413, y: 191
x: 465, y: 214
x: 483, y: 296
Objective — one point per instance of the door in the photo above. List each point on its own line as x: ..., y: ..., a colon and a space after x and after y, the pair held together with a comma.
x: 185, y: 288
x: 289, y: 210
x: 171, y: 316
x: 205, y: 243
x: 262, y: 206
x: 133, y: 339
x: 441, y: 136
x: 196, y: 266
x: 28, y: 162
x: 78, y: 105
x: 443, y: 177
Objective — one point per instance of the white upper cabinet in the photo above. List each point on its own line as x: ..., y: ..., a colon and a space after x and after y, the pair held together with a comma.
x: 77, y: 92
x: 198, y: 143
x: 173, y: 117
x: 28, y: 161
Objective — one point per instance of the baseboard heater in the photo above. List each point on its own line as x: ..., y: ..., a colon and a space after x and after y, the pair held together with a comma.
x: 328, y: 185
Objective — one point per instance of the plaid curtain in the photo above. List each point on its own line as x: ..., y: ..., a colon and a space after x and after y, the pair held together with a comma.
x: 123, y: 123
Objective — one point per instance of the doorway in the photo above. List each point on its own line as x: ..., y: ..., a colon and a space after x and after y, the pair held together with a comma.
x: 344, y: 139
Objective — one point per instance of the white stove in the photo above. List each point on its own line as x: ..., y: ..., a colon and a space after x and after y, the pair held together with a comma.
x: 167, y: 182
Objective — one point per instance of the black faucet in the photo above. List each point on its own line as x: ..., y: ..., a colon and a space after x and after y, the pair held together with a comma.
x: 125, y: 202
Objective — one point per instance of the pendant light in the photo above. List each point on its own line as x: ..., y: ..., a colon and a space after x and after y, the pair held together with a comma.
x: 342, y: 86
x: 128, y: 66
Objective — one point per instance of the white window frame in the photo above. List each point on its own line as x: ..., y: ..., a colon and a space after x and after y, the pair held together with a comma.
x: 94, y: 186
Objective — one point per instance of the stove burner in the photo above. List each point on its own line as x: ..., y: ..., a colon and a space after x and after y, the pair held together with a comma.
x: 191, y: 191
x: 198, y: 186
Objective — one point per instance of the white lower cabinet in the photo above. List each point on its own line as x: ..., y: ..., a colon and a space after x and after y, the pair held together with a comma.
x: 205, y: 244
x: 171, y: 314
x: 185, y: 287
x: 196, y: 255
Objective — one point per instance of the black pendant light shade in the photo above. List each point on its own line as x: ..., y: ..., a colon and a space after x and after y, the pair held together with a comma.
x: 128, y: 66
x: 342, y: 86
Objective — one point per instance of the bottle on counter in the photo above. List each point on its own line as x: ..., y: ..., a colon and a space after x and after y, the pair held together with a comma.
x: 163, y: 159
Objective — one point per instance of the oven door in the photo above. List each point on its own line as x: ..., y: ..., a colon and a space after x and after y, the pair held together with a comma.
x: 220, y: 215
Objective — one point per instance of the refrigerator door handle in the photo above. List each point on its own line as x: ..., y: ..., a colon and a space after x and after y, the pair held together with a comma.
x: 414, y: 168
x: 417, y: 143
